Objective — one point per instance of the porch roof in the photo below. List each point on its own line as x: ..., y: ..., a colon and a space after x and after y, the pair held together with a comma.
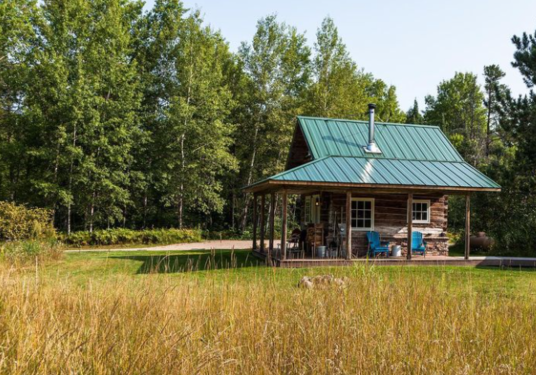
x: 391, y: 173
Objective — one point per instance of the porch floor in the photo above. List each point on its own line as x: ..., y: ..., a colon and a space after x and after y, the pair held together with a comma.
x: 417, y: 260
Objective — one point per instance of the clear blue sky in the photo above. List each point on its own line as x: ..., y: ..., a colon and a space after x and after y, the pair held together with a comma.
x: 411, y: 44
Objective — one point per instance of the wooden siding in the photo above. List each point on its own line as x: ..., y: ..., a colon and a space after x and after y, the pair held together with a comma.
x: 390, y: 220
x: 299, y: 151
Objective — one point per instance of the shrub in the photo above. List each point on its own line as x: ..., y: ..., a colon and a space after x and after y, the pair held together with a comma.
x: 122, y: 236
x: 18, y: 222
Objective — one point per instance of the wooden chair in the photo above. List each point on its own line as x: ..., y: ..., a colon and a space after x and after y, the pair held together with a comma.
x: 293, y: 245
x: 418, y: 245
x: 376, y: 246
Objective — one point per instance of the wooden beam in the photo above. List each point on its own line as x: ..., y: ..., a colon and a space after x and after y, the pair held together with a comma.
x: 271, y: 225
x: 255, y: 203
x: 467, y: 225
x: 410, y: 224
x: 284, y: 226
x: 263, y: 222
x: 348, y: 225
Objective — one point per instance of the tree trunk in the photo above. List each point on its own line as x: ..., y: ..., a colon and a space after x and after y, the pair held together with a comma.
x: 144, y: 209
x: 180, y: 210
x: 91, y: 212
x: 489, y: 124
x: 69, y: 205
x: 250, y: 178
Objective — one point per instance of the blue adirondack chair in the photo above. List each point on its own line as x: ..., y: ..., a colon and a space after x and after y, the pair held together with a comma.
x: 375, y: 245
x: 418, y: 245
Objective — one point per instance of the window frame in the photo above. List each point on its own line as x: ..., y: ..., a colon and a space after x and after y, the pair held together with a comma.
x: 428, y: 211
x: 307, y: 210
x: 373, y: 209
x: 312, y: 211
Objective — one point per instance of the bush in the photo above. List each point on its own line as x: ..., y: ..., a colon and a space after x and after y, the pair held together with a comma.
x: 228, y: 234
x: 19, y: 223
x: 20, y: 252
x: 122, y: 236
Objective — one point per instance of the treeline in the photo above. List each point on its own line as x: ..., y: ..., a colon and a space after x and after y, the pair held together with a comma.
x: 112, y: 116
x: 496, y: 133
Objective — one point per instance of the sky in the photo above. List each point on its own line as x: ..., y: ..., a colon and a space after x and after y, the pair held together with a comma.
x: 411, y: 44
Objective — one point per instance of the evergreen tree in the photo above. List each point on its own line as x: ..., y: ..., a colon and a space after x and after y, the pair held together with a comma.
x: 493, y: 88
x: 414, y: 115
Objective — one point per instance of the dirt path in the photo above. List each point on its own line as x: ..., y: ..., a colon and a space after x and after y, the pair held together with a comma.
x: 207, y: 245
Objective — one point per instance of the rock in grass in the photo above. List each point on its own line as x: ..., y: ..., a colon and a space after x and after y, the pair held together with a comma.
x: 306, y: 283
x: 322, y: 281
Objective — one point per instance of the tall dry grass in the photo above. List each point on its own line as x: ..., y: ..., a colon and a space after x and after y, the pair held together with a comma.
x: 228, y: 324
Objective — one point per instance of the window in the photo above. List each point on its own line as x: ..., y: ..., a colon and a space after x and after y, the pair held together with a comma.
x: 312, y: 209
x: 307, y: 211
x: 421, y: 211
x: 363, y: 214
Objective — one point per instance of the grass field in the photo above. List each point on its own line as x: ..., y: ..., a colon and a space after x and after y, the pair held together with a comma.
x: 222, y: 313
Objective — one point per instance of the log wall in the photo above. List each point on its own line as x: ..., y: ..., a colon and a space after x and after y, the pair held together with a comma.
x: 390, y: 216
x: 299, y: 152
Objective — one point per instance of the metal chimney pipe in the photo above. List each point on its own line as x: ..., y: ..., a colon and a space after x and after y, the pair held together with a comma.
x: 371, y: 147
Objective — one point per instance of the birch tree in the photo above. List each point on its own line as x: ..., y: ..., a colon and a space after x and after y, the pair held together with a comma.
x: 277, y: 66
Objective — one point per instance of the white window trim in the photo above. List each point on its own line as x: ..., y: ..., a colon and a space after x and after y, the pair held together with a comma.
x: 429, y: 203
x: 373, y: 209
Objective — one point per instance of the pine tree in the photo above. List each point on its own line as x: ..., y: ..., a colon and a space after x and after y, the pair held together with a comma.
x: 492, y: 74
x: 414, y: 115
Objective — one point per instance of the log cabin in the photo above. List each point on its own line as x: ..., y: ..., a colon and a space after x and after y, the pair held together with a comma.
x: 361, y: 176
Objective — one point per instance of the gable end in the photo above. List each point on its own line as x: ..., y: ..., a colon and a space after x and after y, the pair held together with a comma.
x: 299, y: 152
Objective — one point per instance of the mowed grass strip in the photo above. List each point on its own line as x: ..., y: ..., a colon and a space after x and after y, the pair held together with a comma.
x: 220, y: 313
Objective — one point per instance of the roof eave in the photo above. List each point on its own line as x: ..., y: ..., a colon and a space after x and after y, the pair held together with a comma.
x: 270, y: 185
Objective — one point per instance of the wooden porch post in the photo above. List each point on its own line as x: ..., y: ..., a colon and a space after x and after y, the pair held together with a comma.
x: 263, y: 222
x: 348, y: 225
x: 284, y: 226
x: 271, y: 234
x: 410, y: 224
x: 255, y: 222
x: 467, y: 225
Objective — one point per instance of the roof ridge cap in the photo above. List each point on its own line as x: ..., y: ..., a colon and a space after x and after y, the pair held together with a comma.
x: 366, y: 121
x: 382, y: 158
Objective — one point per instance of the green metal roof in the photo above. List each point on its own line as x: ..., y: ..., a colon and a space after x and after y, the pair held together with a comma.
x: 363, y: 171
x: 411, y: 156
x: 332, y: 137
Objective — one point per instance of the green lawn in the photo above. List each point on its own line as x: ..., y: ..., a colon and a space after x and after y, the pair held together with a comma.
x: 242, y: 267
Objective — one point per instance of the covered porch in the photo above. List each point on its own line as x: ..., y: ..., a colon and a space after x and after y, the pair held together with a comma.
x: 319, y: 234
